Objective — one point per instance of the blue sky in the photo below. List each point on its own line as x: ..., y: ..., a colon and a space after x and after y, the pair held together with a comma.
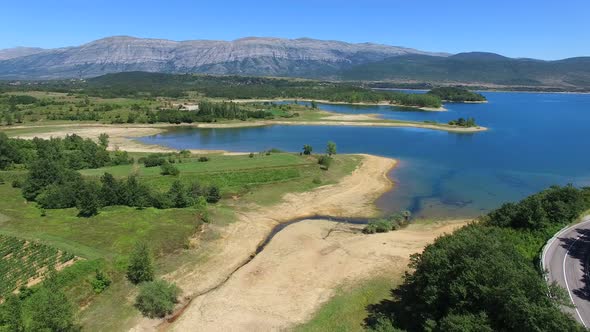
x: 546, y: 29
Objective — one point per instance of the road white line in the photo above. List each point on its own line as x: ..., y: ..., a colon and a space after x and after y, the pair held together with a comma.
x: 566, y: 283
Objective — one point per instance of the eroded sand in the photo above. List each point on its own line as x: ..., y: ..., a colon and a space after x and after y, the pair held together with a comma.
x: 299, y: 270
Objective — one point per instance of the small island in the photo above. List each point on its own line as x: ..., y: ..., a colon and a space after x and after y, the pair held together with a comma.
x: 457, y: 95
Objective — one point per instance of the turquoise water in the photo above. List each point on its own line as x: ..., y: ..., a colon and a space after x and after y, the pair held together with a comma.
x: 535, y: 140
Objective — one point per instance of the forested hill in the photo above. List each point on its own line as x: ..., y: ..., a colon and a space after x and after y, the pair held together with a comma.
x: 477, y: 68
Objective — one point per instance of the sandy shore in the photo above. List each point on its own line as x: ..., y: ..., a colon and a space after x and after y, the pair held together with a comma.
x: 299, y: 270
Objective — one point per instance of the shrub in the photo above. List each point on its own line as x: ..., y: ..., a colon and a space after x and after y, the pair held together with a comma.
x: 100, y: 282
x: 325, y: 161
x: 17, y: 183
x: 203, y: 159
x: 317, y: 181
x: 251, y: 155
x: 213, y: 195
x: 153, y: 160
x: 157, y: 298
x: 169, y: 169
x: 378, y: 226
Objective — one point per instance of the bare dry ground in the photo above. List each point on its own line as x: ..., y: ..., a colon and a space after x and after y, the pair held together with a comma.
x: 299, y: 270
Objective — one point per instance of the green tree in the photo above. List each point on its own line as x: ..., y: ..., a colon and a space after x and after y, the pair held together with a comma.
x: 103, y: 140
x: 88, y: 201
x: 157, y: 298
x: 11, y: 315
x: 178, y: 195
x: 140, y: 268
x: 331, y: 148
x: 307, y: 149
x: 50, y: 310
x: 8, y: 119
x: 213, y: 195
x: 110, y: 190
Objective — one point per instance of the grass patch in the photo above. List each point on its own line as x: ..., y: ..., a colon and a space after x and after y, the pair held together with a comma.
x: 347, y: 310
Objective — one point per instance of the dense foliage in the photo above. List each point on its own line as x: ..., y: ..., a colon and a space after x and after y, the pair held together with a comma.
x: 157, y: 298
x: 456, y: 94
x: 52, y: 180
x: 151, y: 85
x: 478, y: 279
x: 461, y: 122
x: 72, y: 152
x: 44, y: 308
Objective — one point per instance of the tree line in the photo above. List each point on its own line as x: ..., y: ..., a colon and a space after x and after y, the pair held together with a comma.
x: 456, y: 94
x: 485, y: 276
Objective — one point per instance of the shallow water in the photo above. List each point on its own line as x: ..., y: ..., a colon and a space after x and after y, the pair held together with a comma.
x: 535, y: 140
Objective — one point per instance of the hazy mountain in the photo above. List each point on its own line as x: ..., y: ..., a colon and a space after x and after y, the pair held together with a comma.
x: 250, y: 56
x: 16, y: 52
x: 474, y: 68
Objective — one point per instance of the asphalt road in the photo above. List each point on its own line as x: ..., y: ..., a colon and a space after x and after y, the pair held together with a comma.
x: 565, y: 257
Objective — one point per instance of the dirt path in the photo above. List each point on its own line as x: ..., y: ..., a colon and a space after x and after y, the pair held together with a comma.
x: 299, y: 270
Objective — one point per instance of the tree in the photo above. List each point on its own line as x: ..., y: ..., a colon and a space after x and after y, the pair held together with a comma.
x: 110, y: 190
x: 307, y: 149
x: 8, y: 119
x: 331, y: 148
x: 177, y: 195
x: 88, y: 202
x: 213, y: 195
x: 157, y: 298
x: 140, y: 268
x: 11, y: 317
x: 314, y: 105
x: 50, y: 309
x: 103, y: 140
x: 169, y: 169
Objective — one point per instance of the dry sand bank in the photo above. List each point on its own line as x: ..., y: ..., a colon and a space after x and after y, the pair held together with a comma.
x: 299, y: 270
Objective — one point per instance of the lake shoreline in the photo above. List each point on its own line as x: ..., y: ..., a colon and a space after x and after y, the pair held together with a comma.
x: 322, y: 101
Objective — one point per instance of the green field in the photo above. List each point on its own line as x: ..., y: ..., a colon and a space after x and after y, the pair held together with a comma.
x: 105, y: 240
x: 347, y: 310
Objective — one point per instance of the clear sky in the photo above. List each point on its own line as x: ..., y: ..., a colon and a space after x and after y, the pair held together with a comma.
x: 546, y: 29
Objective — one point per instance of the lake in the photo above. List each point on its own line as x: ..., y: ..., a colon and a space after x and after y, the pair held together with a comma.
x: 535, y: 140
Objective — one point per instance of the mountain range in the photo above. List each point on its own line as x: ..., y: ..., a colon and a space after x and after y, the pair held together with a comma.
x: 303, y: 57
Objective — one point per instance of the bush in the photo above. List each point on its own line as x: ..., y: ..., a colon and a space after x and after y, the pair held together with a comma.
x: 251, y: 155
x: 325, y: 161
x: 203, y: 159
x: 17, y: 183
x: 213, y: 195
x: 100, y: 282
x: 153, y: 160
x: 157, y: 298
x: 169, y: 169
x: 140, y: 268
x: 378, y: 226
x: 317, y: 180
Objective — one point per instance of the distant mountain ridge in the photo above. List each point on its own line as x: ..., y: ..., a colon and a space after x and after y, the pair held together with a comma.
x: 302, y: 57
x: 249, y: 56
x: 477, y: 68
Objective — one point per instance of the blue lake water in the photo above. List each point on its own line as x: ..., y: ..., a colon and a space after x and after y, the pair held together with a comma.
x: 535, y: 140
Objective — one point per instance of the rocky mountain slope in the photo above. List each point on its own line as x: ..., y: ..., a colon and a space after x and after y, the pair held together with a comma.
x: 248, y: 56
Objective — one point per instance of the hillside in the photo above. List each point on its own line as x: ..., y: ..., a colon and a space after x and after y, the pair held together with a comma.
x: 247, y: 56
x: 477, y: 68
